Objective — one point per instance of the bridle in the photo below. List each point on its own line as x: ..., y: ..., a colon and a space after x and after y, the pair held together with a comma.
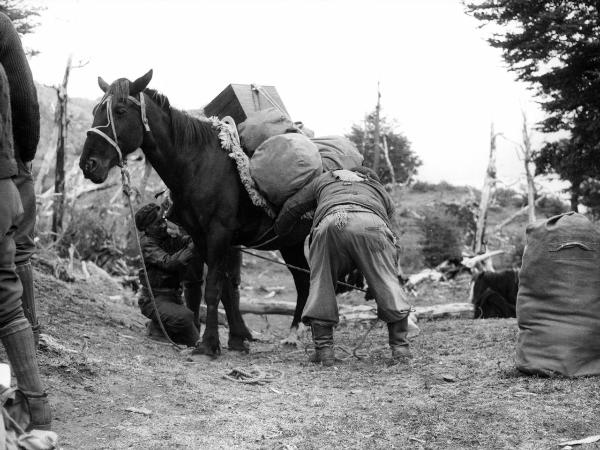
x: 111, y: 122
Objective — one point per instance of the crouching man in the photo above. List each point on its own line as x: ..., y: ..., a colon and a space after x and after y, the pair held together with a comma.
x: 166, y: 261
x: 351, y: 230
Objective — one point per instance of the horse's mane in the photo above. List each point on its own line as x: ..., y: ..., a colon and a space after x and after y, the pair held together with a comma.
x: 186, y: 129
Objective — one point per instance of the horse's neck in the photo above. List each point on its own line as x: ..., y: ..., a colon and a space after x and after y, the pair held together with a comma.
x: 171, y: 163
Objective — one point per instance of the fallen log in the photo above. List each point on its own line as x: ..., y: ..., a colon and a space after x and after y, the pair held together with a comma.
x: 445, y: 311
x: 359, y: 312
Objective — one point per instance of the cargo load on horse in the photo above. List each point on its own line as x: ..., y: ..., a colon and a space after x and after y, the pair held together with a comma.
x: 284, y: 164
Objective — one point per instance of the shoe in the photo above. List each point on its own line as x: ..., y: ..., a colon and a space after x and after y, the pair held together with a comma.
x: 322, y: 333
x: 324, y: 356
x: 398, y: 339
x: 39, y: 408
x: 17, y: 338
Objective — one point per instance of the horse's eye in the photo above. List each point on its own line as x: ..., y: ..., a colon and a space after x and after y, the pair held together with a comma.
x: 121, y: 110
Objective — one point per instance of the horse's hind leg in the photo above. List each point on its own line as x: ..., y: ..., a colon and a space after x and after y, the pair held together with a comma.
x: 238, y: 332
x: 295, y: 256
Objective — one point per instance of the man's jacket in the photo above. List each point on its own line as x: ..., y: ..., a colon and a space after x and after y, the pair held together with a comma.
x: 23, y: 100
x: 166, y: 259
x: 327, y: 192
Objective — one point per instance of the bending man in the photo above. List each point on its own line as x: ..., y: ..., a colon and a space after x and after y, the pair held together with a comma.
x: 351, y: 230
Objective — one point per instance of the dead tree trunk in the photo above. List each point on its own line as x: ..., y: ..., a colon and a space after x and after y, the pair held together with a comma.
x: 488, y: 184
x: 388, y: 161
x: 376, y: 145
x: 527, y: 161
x: 59, y: 179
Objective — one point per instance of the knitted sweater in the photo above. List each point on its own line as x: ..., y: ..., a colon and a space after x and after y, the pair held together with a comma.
x: 326, y: 192
x: 23, y: 98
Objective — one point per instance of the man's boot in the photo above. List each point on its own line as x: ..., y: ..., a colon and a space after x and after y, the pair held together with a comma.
x: 17, y: 338
x: 25, y: 273
x: 322, y: 333
x: 398, y: 338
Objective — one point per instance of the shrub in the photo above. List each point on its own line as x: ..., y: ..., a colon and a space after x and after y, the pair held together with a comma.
x: 517, y: 244
x: 466, y: 218
x: 87, y: 232
x: 422, y: 186
x: 442, y: 237
x: 552, y: 206
x: 508, y: 197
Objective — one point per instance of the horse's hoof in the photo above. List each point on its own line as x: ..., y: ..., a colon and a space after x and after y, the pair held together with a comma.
x: 203, y: 348
x: 238, y: 344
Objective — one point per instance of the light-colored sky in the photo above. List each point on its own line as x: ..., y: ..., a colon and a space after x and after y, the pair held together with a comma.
x: 439, y: 78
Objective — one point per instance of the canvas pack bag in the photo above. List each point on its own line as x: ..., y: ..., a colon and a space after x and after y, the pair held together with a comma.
x: 283, y: 164
x: 262, y: 125
x: 338, y: 152
x: 558, y: 303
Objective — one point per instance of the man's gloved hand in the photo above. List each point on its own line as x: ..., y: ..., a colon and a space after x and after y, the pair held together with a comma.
x: 173, y: 229
x: 188, y: 253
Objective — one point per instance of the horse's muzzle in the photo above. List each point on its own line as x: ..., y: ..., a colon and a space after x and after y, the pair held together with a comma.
x: 90, y: 168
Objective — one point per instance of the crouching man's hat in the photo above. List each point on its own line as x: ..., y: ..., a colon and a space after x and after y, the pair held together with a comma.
x: 147, y: 215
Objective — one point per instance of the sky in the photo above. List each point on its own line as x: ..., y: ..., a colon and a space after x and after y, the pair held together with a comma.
x: 440, y: 81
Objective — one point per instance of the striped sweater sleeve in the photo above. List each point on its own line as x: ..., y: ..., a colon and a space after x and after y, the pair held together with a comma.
x: 23, y: 96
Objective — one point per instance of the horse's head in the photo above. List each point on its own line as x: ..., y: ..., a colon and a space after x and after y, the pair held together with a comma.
x: 117, y: 129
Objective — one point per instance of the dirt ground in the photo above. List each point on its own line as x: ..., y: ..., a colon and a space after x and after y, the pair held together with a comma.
x: 111, y: 387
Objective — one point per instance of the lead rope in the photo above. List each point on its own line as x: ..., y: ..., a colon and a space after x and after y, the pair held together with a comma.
x: 125, y: 180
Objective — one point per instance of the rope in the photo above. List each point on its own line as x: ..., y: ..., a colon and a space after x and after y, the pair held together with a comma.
x: 252, y: 376
x: 230, y: 142
x: 263, y: 91
x: 262, y: 244
x: 301, y: 269
x: 362, y: 341
x: 125, y: 180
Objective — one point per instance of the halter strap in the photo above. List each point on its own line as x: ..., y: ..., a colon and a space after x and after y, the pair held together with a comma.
x: 111, y: 123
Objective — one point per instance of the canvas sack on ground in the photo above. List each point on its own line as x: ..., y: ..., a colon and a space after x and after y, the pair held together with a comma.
x: 558, y: 304
x: 283, y: 164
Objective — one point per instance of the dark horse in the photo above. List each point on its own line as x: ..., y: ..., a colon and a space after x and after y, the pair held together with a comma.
x: 208, y: 197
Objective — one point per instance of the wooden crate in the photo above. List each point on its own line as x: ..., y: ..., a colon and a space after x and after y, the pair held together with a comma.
x: 239, y: 100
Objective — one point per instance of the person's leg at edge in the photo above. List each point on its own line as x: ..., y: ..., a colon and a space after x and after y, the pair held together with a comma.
x: 15, y: 329
x: 24, y: 240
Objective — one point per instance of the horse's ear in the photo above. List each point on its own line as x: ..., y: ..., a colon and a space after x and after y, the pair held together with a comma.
x: 103, y: 84
x: 140, y: 84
